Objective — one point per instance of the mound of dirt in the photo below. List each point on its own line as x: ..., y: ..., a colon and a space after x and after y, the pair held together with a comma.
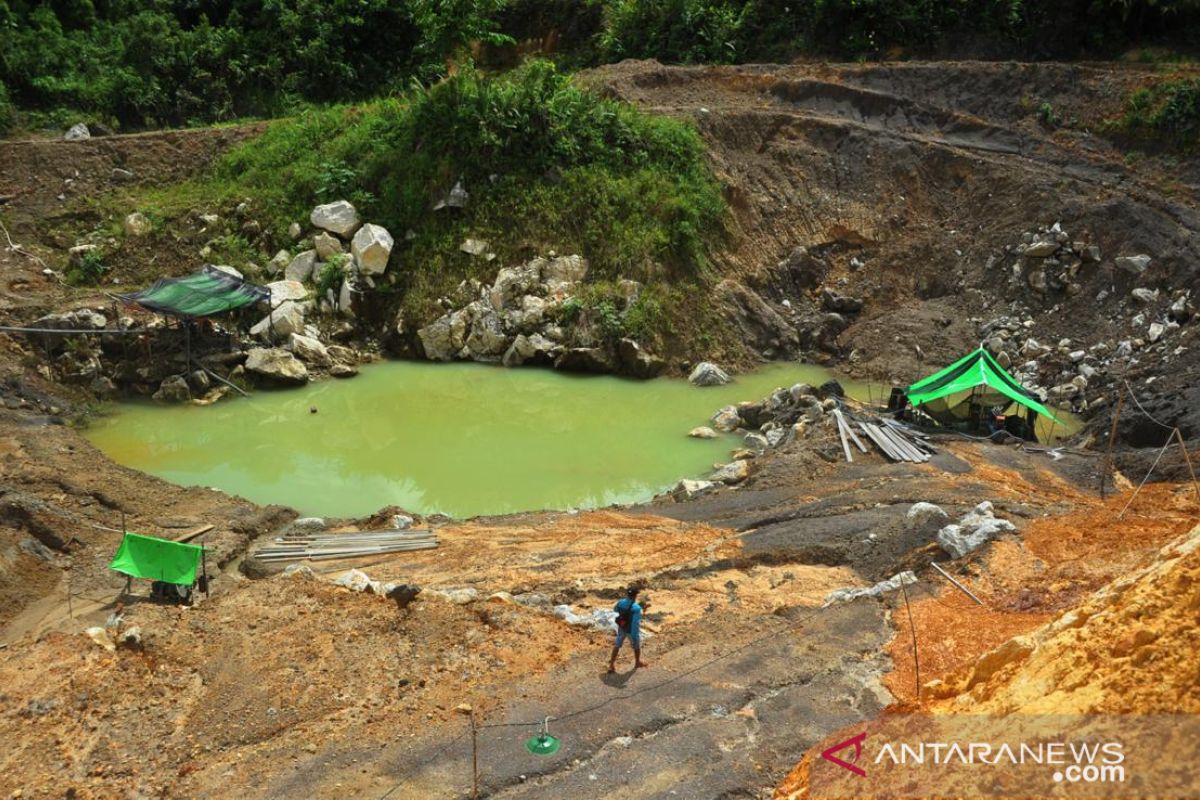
x: 1130, y: 648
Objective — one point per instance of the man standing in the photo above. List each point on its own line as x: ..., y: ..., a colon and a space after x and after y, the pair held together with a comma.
x: 629, y: 623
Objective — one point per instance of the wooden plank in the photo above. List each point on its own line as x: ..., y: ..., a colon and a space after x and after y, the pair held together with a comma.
x: 877, y: 437
x: 866, y: 428
x: 904, y: 446
x: 897, y: 444
x: 841, y: 426
x: 350, y: 536
x: 320, y: 555
x: 187, y: 537
x: 912, y: 435
x: 334, y: 554
x: 340, y: 548
x: 849, y: 430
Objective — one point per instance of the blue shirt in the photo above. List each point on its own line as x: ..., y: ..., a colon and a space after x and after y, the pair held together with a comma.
x: 635, y: 618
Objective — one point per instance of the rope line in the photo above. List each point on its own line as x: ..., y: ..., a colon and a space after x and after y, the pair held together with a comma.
x: 1147, y: 414
x: 423, y: 763
x: 68, y: 331
x: 618, y: 698
x: 1149, y: 472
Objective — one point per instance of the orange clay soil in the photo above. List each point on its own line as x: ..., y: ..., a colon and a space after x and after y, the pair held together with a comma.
x: 1130, y: 646
x: 276, y: 668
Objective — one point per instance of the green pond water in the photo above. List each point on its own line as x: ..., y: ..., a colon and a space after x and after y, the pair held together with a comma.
x: 460, y: 439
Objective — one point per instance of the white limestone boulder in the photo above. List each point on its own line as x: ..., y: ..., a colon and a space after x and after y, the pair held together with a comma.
x: 371, y: 248
x: 340, y: 218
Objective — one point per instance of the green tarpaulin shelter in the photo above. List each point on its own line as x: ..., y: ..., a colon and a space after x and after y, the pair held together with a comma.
x: 974, y: 380
x: 157, y: 559
x: 210, y: 291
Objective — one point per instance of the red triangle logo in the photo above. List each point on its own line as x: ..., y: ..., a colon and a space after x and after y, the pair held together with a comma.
x: 856, y: 743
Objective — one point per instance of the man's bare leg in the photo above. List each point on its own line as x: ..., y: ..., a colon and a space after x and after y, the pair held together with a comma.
x: 612, y: 660
x: 637, y: 658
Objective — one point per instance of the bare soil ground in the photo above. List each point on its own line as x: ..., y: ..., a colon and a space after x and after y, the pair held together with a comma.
x: 290, y: 686
x: 927, y: 175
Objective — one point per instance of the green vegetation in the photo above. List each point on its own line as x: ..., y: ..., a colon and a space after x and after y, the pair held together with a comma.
x: 8, y: 113
x: 141, y: 63
x: 88, y: 271
x: 1167, y: 112
x: 1048, y: 116
x: 329, y: 278
x: 770, y: 30
x: 546, y: 164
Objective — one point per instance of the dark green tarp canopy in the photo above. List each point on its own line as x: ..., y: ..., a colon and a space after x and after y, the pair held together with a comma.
x: 210, y: 291
x: 976, y: 376
x: 157, y: 559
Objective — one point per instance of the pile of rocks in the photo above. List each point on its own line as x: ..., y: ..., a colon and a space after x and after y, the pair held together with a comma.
x: 522, y: 318
x: 1049, y: 261
x: 785, y: 415
x: 358, y: 254
x: 976, y: 527
x: 1068, y: 373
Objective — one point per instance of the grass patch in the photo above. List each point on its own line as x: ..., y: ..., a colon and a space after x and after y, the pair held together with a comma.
x: 547, y: 166
x: 1166, y: 113
x: 90, y: 269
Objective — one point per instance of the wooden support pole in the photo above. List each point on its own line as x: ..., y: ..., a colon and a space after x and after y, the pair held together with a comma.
x: 962, y: 588
x: 913, y: 629
x: 204, y: 567
x: 474, y: 758
x: 1188, y: 460
x: 1112, y: 438
x: 1149, y: 472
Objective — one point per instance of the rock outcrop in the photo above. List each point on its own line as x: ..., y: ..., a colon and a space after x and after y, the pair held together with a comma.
x: 276, y: 365
x: 516, y: 321
x: 708, y: 374
x: 340, y: 218
x: 970, y: 533
x: 371, y: 248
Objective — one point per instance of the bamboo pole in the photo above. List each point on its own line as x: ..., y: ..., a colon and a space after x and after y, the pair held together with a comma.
x: 1112, y: 438
x: 1148, y: 474
x: 913, y: 628
x: 1188, y: 460
x: 204, y: 567
x: 962, y: 588
x: 474, y: 758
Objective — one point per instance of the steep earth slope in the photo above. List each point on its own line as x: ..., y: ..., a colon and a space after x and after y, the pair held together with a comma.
x: 915, y: 187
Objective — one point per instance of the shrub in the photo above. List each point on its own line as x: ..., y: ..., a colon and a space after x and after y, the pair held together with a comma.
x: 1047, y: 115
x: 538, y: 155
x: 1168, y: 111
x: 8, y: 114
x: 88, y: 271
x: 329, y: 279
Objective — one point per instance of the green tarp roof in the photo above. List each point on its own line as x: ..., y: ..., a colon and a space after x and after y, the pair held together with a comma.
x: 157, y: 559
x: 975, y: 369
x: 210, y: 291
